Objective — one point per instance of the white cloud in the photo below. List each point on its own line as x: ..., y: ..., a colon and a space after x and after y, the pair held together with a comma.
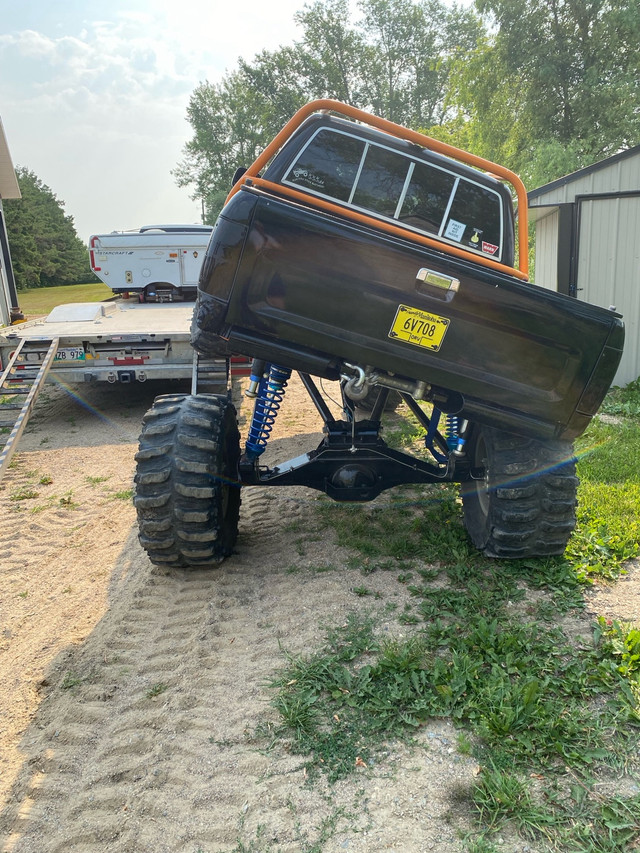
x: 95, y: 104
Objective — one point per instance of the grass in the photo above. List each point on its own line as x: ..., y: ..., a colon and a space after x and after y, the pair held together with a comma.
x: 24, y: 493
x: 38, y: 301
x: 94, y: 481
x: 547, y: 702
x: 124, y: 495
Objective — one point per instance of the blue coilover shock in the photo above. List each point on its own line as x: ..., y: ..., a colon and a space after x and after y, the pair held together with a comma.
x: 451, y: 431
x: 270, y: 395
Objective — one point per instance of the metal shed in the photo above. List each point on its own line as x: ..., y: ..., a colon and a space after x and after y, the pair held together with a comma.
x: 587, y: 237
x: 8, y: 189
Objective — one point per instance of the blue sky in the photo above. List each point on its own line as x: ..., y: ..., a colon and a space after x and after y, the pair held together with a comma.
x: 93, y: 95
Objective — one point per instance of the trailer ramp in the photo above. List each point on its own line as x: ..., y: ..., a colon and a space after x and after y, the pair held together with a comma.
x: 20, y: 384
x: 212, y: 375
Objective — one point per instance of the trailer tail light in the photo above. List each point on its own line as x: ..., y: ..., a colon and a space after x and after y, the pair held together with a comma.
x: 240, y: 366
x: 92, y: 259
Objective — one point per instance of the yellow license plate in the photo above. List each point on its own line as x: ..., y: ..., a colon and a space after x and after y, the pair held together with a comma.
x: 419, y: 327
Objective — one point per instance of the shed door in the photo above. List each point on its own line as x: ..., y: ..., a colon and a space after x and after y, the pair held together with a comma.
x: 609, y: 267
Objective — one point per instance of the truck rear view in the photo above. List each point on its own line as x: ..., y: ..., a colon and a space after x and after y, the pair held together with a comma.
x: 361, y: 252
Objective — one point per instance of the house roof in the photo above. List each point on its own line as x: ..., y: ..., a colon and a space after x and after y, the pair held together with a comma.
x: 583, y: 173
x: 8, y: 182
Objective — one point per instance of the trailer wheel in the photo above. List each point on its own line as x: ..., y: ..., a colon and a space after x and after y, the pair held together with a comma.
x: 521, y: 502
x: 187, y: 490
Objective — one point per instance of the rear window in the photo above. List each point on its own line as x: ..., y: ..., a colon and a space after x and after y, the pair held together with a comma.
x: 395, y: 186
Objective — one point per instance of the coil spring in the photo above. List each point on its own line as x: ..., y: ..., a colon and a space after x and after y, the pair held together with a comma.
x: 451, y: 431
x: 270, y: 396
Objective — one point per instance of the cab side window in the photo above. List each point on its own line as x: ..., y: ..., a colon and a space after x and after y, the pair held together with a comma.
x: 328, y: 165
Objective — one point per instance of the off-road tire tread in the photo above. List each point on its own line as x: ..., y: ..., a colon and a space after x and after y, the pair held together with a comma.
x: 531, y: 500
x: 186, y: 500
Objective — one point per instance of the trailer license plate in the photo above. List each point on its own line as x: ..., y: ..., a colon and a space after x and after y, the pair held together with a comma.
x: 70, y: 354
x: 419, y: 327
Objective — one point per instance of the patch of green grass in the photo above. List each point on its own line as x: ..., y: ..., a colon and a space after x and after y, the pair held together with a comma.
x: 608, y: 529
x: 67, y: 500
x: 624, y: 400
x: 426, y: 525
x: 45, y: 480
x: 38, y: 301
x: 25, y: 493
x: 548, y: 712
x: 567, y: 814
x: 157, y: 690
x: 361, y: 591
x: 71, y: 680
x: 125, y: 495
x: 529, y: 699
x: 94, y: 481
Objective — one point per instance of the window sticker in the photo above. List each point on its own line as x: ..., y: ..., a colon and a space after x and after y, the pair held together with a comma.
x: 489, y: 248
x: 455, y: 230
x: 474, y: 240
x: 310, y: 178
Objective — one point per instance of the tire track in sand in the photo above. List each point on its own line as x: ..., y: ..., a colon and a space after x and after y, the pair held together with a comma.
x: 145, y: 740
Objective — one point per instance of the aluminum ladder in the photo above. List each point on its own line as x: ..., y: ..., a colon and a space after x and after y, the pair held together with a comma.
x: 20, y: 384
x: 209, y: 375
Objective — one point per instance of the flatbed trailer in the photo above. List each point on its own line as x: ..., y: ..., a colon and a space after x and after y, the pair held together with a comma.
x: 118, y: 340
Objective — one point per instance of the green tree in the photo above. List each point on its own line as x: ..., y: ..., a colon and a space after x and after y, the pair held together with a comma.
x: 330, y: 50
x: 232, y: 122
x: 395, y: 61
x: 411, y: 51
x: 556, y: 86
x: 45, y: 249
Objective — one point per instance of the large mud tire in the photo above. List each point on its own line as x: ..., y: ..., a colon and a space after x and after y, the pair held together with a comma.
x: 523, y: 502
x: 187, y: 490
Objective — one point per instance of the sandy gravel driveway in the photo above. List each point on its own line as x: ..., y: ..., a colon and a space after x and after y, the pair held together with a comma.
x: 129, y: 697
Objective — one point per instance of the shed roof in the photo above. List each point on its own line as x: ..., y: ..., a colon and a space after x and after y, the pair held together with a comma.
x: 8, y: 182
x: 618, y: 173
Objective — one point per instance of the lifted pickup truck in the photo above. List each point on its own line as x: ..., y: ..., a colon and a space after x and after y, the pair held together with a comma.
x: 358, y: 251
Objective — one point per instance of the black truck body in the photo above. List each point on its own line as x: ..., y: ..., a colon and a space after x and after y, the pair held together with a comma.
x: 359, y: 251
x: 312, y: 290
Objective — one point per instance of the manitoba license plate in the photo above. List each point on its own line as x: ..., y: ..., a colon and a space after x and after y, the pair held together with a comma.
x: 70, y: 354
x: 419, y: 327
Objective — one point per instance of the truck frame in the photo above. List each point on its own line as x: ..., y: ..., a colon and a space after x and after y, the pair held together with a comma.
x: 364, y: 253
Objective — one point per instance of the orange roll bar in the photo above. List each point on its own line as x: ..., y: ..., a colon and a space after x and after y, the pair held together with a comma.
x: 326, y: 104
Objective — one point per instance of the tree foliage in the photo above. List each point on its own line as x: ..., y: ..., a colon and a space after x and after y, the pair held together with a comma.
x: 564, y: 73
x: 542, y: 86
x: 395, y: 60
x: 45, y: 249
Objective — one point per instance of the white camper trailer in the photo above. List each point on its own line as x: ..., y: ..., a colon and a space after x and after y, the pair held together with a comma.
x: 157, y: 263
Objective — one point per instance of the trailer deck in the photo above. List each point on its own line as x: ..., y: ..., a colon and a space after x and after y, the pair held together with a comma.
x: 114, y: 341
